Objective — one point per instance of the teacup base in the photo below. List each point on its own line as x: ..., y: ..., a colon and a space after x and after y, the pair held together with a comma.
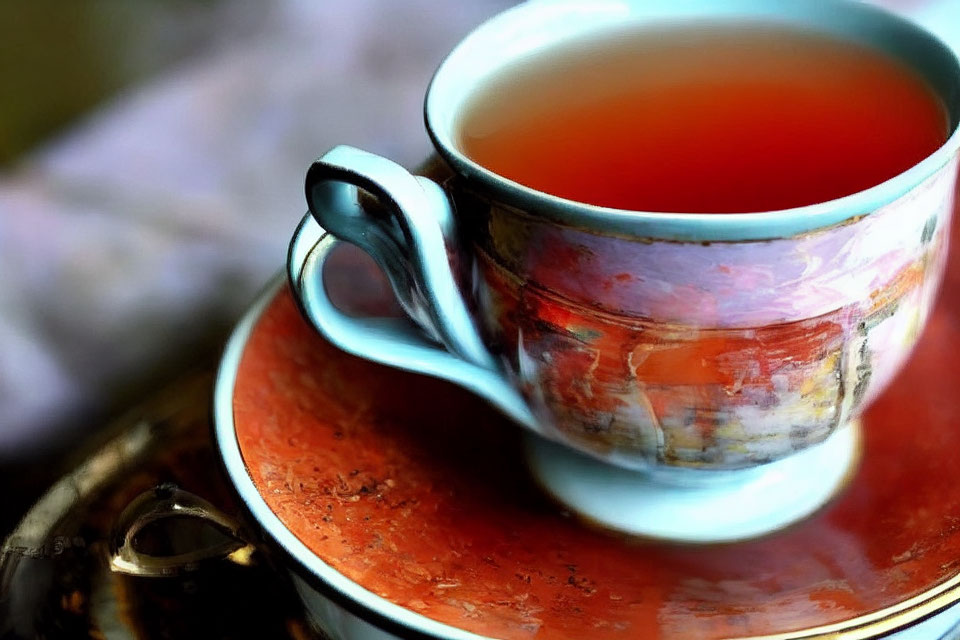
x: 741, y: 505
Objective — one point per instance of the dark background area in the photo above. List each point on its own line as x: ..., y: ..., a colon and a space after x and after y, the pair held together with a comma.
x: 59, y: 60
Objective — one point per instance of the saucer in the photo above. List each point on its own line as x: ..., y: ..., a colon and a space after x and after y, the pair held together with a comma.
x: 407, y: 503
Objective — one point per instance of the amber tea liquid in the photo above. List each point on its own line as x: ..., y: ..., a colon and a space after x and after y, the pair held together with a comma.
x: 712, y: 119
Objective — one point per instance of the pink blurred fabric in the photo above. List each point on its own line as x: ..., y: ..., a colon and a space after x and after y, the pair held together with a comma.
x: 153, y: 223
x: 147, y: 229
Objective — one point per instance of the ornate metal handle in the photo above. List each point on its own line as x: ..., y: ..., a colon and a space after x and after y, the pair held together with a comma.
x: 168, y: 504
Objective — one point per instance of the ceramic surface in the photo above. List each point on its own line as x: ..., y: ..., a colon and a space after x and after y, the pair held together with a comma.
x: 655, y: 342
x: 710, y: 355
x: 419, y: 517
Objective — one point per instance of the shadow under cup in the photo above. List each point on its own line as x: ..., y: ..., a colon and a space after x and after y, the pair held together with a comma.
x: 714, y: 342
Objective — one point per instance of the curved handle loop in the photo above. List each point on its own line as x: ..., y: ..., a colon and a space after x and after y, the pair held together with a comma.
x: 413, y: 245
x: 412, y: 237
x: 166, y: 503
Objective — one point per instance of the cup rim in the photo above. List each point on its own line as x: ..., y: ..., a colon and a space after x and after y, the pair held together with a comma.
x: 686, y: 227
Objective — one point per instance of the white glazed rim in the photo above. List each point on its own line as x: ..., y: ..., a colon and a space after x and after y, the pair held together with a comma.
x: 514, y: 32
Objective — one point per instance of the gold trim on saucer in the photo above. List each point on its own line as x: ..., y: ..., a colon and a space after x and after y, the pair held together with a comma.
x: 879, y: 623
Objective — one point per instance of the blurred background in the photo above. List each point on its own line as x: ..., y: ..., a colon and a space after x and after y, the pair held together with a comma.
x: 152, y: 157
x: 151, y: 165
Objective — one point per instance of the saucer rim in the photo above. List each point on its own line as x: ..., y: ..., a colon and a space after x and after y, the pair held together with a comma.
x: 376, y: 610
x: 396, y: 619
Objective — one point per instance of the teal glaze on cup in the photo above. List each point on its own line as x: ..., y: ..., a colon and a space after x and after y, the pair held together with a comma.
x: 535, y: 26
x: 816, y: 307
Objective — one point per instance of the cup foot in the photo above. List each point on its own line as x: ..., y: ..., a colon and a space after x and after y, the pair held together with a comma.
x: 746, y: 504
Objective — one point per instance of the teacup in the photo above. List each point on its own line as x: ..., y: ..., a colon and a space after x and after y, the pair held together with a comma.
x: 792, y: 320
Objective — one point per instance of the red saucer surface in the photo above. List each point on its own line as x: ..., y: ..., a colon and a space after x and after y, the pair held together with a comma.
x: 417, y: 491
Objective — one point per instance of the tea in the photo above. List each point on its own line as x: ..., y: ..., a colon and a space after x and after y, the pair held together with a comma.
x: 706, y: 119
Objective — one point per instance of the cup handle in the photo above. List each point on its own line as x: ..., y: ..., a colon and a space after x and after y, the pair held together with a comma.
x: 411, y: 235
